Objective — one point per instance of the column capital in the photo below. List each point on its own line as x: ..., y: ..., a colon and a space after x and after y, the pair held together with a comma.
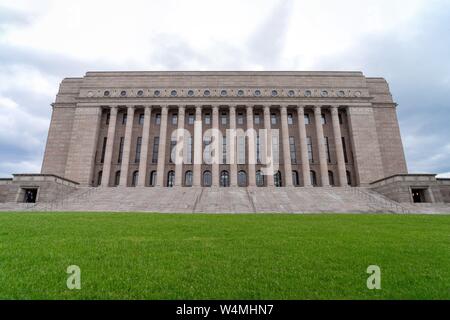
x: 114, y: 109
x: 301, y: 108
x: 198, y: 110
x: 181, y: 109
x: 249, y: 107
x: 317, y: 109
x: 283, y: 109
x: 334, y: 109
x: 232, y: 106
x: 215, y: 108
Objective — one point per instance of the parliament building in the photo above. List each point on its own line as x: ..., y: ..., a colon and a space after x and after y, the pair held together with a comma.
x: 221, y: 137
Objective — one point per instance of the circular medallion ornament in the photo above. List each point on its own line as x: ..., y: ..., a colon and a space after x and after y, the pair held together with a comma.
x: 257, y: 93
x: 106, y: 93
x: 291, y: 93
x: 240, y: 93
x: 206, y: 93
x: 140, y: 93
x: 191, y: 93
x: 308, y: 93
x: 123, y: 93
x: 157, y: 93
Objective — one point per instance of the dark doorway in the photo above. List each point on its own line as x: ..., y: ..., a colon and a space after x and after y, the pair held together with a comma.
x: 418, y: 195
x: 30, y: 195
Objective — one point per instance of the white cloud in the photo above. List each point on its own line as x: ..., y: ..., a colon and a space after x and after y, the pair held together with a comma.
x: 444, y: 175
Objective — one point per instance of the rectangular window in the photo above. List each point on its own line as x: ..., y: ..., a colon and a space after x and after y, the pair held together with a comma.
x: 241, y: 149
x: 344, y: 148
x: 108, y: 116
x: 138, y: 150
x: 224, y: 149
x: 257, y: 119
x: 323, y: 118
x: 105, y: 139
x: 273, y: 118
x: 189, y: 151
x: 124, y: 118
x: 155, y: 150
x: 207, y: 118
x: 207, y: 142
x: 240, y: 118
x: 174, y: 119
x: 258, y: 149
x: 307, y: 120
x: 173, y: 144
x: 224, y: 118
x: 310, y: 149
x: 119, y: 160
x: 141, y: 119
x: 290, y: 119
x: 292, y: 150
x: 158, y: 118
x: 275, y: 149
x: 340, y: 118
x: 191, y: 119
x: 327, y: 147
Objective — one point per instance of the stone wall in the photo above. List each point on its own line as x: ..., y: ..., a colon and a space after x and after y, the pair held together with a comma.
x: 398, y: 187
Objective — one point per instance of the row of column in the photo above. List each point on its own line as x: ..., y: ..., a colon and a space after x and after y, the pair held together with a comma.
x: 198, y: 146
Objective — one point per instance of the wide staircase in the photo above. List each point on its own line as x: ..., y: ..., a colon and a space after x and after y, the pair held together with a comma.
x: 226, y: 200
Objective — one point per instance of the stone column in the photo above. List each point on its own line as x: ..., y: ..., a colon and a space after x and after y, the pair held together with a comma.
x: 268, y: 147
x: 180, y: 151
x: 106, y: 173
x: 303, y: 147
x: 127, y: 148
x: 215, y: 145
x: 232, y: 147
x: 144, y: 150
x: 251, y: 148
x: 286, y: 147
x: 321, y: 145
x: 160, y: 169
x: 198, y: 147
x: 342, y: 174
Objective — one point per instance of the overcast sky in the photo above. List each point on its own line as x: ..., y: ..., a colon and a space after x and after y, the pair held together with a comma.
x: 405, y: 41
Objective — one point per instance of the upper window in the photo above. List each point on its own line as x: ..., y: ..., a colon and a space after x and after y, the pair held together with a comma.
x: 207, y: 118
x: 224, y: 118
x: 307, y: 119
x: 174, y: 119
x: 240, y: 118
x: 323, y: 118
x: 124, y: 118
x: 290, y: 118
x: 191, y: 118
x: 273, y: 118
x: 257, y: 119
x: 158, y: 119
x: 141, y: 119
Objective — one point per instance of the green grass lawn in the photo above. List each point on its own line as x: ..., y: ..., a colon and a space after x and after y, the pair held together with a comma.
x: 168, y: 256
